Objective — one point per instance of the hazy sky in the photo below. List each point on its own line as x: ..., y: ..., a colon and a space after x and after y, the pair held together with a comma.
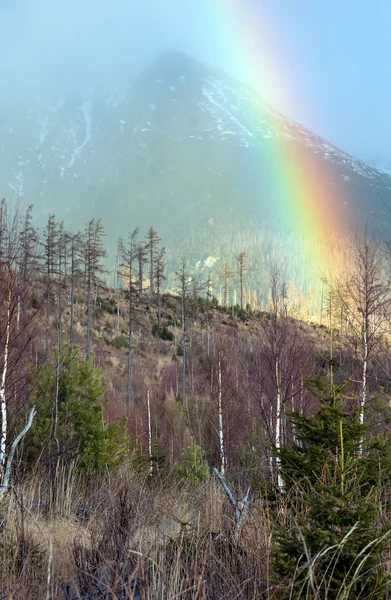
x: 324, y: 63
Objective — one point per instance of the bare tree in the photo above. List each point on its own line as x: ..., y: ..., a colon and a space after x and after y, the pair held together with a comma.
x: 160, y: 266
x: 29, y: 256
x: 74, y: 275
x: 50, y: 245
x: 277, y: 285
x: 128, y: 254
x: 283, y: 357
x: 242, y: 270
x: 94, y: 253
x: 185, y: 285
x: 365, y: 299
x: 152, y: 248
x: 225, y: 275
x: 141, y: 260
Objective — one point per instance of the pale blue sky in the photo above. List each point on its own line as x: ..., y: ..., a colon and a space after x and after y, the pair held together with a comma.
x: 332, y: 58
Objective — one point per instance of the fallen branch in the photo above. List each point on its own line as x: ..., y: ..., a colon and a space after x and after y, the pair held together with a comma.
x: 241, y: 506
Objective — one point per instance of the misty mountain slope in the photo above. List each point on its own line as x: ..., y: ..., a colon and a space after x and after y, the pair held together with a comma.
x: 185, y: 148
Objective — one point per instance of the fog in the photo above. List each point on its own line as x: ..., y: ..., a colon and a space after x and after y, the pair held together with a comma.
x: 323, y: 64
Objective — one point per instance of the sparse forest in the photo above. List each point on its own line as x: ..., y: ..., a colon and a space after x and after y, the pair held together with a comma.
x: 189, y: 441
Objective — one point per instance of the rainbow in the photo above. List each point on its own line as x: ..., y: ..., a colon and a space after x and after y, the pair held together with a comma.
x: 311, y: 208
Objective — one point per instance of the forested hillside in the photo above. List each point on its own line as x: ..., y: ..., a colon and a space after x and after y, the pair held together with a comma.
x: 135, y: 419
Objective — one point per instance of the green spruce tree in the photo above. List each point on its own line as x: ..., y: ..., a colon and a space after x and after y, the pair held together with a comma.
x: 330, y: 543
x: 84, y: 437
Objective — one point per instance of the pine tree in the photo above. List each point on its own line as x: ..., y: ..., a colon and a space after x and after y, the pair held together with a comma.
x: 330, y: 545
x: 84, y: 436
x: 192, y: 469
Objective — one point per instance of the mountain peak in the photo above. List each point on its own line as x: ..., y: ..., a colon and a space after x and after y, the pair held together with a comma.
x: 173, y: 65
x: 175, y: 59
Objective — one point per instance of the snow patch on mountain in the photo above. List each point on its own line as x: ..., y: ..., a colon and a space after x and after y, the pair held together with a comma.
x: 18, y: 185
x: 86, y: 111
x: 43, y: 131
x: 214, y: 93
x: 122, y: 123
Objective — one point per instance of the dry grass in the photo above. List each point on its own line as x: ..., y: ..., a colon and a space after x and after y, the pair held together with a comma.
x: 158, y: 541
x: 125, y: 538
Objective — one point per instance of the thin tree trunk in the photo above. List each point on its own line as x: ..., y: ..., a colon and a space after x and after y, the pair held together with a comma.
x: 149, y: 435
x: 331, y: 348
x: 183, y: 354
x: 71, y: 317
x: 158, y: 307
x: 221, y: 431
x: 130, y: 339
x: 3, y: 402
x: 47, y: 320
x: 278, y: 422
x: 140, y: 277
x: 118, y: 302
x: 88, y: 338
x: 151, y: 276
x: 363, y: 398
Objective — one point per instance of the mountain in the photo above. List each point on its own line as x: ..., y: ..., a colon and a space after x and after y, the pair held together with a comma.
x: 184, y: 147
x: 381, y: 163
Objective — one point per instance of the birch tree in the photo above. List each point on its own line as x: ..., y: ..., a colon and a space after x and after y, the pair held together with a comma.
x: 11, y: 280
x: 365, y: 298
x: 221, y: 427
x: 284, y: 355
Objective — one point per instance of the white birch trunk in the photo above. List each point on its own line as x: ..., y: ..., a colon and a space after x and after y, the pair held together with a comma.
x: 18, y: 315
x: 363, y: 398
x: 149, y: 435
x: 278, y: 423
x: 3, y: 403
x: 364, y: 371
x: 221, y: 431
